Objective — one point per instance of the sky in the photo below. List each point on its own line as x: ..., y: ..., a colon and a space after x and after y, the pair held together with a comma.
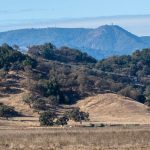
x: 16, y: 14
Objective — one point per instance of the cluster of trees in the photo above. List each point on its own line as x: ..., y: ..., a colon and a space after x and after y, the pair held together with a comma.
x: 64, y: 54
x: 49, y: 118
x: 13, y: 59
x: 78, y: 75
x: 135, y: 65
x: 44, y: 94
x: 77, y: 115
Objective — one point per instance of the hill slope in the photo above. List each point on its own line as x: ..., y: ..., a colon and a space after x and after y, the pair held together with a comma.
x: 112, y: 108
x: 56, y: 77
x: 101, y: 42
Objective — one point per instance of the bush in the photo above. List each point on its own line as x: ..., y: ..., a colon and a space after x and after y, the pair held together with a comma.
x: 8, y: 111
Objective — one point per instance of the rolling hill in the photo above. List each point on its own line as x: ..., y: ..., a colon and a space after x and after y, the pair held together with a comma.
x: 101, y: 42
x: 114, y: 109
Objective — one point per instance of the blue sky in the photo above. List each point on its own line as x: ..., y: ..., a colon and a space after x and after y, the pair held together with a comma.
x: 16, y: 14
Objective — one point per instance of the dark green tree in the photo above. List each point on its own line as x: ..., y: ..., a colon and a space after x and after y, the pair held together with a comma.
x: 77, y: 115
x: 47, y: 118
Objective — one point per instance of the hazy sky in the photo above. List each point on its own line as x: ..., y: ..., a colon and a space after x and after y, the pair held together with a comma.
x: 16, y: 14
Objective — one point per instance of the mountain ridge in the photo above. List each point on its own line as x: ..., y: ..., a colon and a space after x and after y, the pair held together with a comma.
x: 102, y: 42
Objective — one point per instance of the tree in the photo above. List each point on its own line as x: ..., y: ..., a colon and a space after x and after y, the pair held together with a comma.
x: 77, y: 115
x: 47, y: 118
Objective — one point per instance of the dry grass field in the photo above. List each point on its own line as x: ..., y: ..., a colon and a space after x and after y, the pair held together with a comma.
x: 107, y: 138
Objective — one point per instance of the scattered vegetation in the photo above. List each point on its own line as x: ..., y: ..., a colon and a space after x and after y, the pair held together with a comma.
x: 63, y: 76
x: 49, y: 118
x: 133, y: 72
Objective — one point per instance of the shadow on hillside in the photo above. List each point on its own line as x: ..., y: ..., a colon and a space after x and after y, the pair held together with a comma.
x: 9, y: 83
x: 14, y: 77
x: 9, y: 90
x: 3, y: 95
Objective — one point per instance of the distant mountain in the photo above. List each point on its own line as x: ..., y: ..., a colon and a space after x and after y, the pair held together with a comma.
x: 101, y: 42
x: 146, y: 39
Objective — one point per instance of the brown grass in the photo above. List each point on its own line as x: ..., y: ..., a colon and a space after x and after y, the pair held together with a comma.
x: 30, y: 117
x: 103, y: 108
x: 76, y: 139
x: 115, y: 109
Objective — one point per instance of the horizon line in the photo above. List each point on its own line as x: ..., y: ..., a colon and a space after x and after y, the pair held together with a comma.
x: 137, y: 24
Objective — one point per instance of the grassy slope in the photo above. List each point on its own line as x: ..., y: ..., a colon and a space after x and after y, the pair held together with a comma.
x: 112, y: 108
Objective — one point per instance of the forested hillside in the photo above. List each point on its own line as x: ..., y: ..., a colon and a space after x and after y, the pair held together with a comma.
x: 55, y: 76
x: 135, y: 68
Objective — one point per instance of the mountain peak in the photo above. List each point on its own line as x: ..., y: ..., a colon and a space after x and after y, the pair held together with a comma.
x: 117, y: 30
x: 110, y: 26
